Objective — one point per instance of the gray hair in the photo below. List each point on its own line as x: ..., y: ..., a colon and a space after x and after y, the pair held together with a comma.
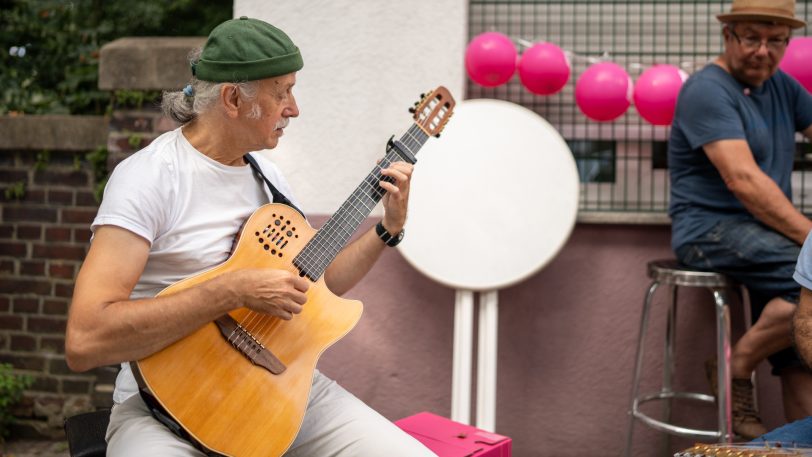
x: 184, y: 108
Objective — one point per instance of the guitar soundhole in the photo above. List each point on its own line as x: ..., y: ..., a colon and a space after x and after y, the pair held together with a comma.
x: 275, y: 236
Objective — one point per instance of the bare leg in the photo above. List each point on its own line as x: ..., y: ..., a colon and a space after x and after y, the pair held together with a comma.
x: 770, y: 334
x: 796, y: 385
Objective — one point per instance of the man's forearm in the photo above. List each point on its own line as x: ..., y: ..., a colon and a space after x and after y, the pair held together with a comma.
x: 765, y: 200
x: 354, y: 262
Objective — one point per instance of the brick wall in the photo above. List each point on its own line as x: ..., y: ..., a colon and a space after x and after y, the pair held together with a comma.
x: 44, y: 236
x: 45, y: 233
x: 43, y: 239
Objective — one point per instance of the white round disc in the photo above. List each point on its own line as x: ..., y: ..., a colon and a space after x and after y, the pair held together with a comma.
x: 493, y: 200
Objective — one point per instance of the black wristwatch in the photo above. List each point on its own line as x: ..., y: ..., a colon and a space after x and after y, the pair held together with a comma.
x: 388, y: 238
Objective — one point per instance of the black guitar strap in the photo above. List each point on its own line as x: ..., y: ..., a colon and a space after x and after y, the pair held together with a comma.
x: 278, y: 197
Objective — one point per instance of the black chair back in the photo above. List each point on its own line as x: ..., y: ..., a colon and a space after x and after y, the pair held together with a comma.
x: 86, y: 433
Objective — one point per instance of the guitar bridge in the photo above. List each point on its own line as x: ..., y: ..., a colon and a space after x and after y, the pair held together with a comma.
x: 248, y: 345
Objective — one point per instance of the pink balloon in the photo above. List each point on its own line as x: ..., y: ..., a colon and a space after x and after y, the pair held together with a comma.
x: 544, y: 69
x: 655, y: 93
x: 604, y: 91
x: 797, y: 60
x: 490, y: 59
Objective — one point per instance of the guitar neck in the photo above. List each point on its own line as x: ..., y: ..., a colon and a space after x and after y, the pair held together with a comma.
x: 317, y: 255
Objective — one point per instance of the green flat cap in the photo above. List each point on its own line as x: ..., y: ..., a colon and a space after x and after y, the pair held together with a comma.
x: 246, y: 49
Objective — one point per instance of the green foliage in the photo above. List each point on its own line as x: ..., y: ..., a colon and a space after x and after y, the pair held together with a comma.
x: 49, y: 49
x: 98, y: 189
x: 15, y: 191
x: 136, y: 98
x: 97, y: 159
x: 134, y: 140
x: 43, y: 157
x: 11, y: 391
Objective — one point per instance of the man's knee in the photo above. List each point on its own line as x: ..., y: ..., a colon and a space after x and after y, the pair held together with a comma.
x: 779, y: 310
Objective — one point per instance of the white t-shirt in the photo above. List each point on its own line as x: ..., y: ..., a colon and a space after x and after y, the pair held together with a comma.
x: 188, y: 206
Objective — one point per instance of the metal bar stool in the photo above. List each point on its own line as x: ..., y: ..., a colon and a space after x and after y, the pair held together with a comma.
x: 673, y: 274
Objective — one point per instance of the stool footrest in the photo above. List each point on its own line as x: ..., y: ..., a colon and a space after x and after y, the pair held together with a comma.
x: 671, y: 428
x: 678, y: 395
x: 675, y: 429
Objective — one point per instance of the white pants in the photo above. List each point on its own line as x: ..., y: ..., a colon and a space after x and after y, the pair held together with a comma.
x: 335, y: 424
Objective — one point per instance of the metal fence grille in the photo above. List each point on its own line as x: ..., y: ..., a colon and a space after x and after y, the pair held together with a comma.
x: 622, y: 164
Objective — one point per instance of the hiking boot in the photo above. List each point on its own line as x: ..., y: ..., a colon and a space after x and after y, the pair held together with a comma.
x: 746, y: 420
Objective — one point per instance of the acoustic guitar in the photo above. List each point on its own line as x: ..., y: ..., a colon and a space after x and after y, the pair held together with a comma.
x: 239, y: 386
x: 765, y: 449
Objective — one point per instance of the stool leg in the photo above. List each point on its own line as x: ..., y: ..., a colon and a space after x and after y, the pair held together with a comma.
x: 669, y: 361
x: 638, y: 364
x: 721, y: 298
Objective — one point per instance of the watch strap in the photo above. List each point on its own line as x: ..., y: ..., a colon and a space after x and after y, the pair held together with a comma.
x: 386, y: 237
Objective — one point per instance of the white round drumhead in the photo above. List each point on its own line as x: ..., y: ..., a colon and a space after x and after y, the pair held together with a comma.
x: 493, y: 200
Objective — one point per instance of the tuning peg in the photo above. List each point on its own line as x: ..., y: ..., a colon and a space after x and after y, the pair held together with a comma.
x: 437, y: 136
x: 412, y: 110
x: 423, y: 95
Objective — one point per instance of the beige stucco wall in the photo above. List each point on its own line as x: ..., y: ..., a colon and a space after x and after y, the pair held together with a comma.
x: 365, y: 63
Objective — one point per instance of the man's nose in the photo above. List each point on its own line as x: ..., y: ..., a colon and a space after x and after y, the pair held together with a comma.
x: 292, y: 109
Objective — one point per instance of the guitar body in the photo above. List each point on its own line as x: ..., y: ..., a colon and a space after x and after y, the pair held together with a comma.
x: 216, y: 393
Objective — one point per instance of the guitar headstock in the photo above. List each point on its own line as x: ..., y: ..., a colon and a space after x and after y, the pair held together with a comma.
x: 433, y: 110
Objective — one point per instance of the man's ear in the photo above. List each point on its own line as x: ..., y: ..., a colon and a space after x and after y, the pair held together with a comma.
x: 230, y: 97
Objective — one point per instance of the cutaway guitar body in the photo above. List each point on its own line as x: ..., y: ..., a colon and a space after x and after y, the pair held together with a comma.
x: 213, y: 390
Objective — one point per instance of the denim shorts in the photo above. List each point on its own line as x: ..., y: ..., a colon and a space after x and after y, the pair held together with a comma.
x: 798, y: 433
x: 753, y: 255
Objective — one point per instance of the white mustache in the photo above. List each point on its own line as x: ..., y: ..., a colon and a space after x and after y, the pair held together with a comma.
x: 282, y: 123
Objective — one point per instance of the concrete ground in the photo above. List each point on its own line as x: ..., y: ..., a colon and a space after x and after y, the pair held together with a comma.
x: 32, y: 448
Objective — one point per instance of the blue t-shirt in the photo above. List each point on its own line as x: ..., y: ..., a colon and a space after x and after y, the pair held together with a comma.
x: 712, y: 106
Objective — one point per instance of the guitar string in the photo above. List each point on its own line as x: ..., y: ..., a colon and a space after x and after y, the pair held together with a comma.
x: 255, y: 323
x: 310, y: 257
x: 313, y: 258
x: 249, y: 321
x: 260, y: 331
x: 352, y: 204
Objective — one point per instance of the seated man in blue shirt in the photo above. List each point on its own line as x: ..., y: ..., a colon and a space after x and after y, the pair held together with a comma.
x: 730, y: 157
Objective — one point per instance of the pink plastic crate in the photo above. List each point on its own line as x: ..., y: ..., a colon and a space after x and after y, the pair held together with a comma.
x: 447, y: 438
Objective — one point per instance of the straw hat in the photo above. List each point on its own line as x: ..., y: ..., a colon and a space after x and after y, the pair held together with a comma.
x: 777, y: 11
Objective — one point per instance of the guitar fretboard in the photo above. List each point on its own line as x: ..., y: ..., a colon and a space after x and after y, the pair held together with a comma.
x: 320, y: 251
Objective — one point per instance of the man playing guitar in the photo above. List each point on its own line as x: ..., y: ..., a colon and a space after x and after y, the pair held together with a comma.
x: 172, y: 210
